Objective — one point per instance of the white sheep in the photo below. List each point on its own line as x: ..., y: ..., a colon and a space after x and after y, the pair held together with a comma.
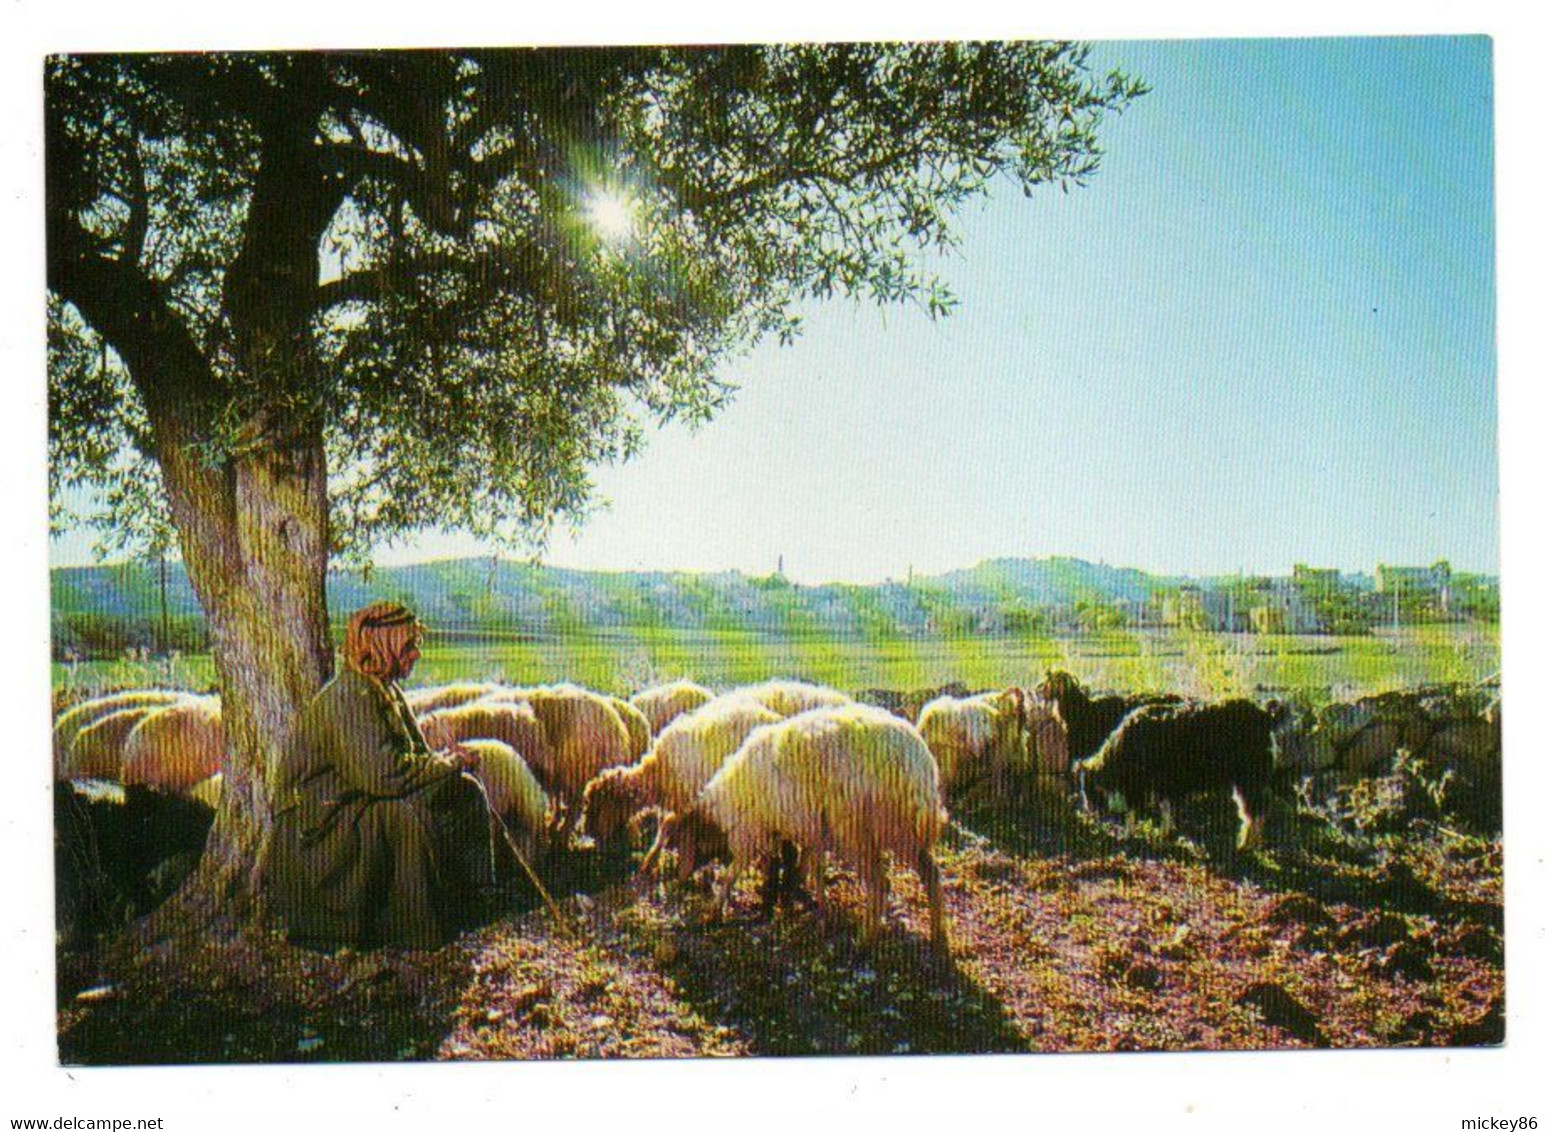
x: 75, y: 720
x: 583, y: 736
x: 686, y: 755
x: 423, y: 701
x: 98, y: 748
x: 976, y: 736
x: 661, y: 705
x: 514, y: 793
x: 635, y: 724
x: 176, y: 746
x: 513, y: 724
x: 791, y: 697
x: 854, y: 780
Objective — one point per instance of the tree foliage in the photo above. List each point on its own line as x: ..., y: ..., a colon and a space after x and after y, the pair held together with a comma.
x: 475, y: 333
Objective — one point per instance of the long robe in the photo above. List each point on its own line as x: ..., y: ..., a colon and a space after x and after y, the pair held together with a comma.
x: 376, y: 839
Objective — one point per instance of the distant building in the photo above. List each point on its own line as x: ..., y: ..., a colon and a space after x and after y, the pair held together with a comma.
x: 1315, y: 579
x: 1267, y: 607
x: 1416, y: 581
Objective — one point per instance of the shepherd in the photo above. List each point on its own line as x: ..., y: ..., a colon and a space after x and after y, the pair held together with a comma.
x: 378, y: 840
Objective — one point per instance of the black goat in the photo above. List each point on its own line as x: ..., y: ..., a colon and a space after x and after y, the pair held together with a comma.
x: 1089, y: 720
x: 1165, y: 752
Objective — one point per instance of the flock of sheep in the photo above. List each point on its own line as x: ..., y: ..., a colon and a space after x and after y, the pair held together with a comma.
x: 781, y: 773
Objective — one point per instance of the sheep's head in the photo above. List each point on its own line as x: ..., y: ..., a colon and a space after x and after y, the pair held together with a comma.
x: 697, y: 839
x: 609, y: 805
x: 1059, y: 687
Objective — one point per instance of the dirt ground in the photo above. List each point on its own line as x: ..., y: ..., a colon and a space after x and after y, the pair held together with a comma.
x: 1068, y: 933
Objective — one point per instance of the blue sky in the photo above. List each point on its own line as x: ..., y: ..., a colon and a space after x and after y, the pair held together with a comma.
x: 1263, y: 334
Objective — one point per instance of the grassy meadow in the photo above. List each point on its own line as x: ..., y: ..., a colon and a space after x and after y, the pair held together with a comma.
x: 1315, y: 668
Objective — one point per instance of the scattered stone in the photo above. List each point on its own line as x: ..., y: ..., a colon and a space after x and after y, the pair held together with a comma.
x: 1111, y: 869
x: 1280, y: 1008
x: 1313, y: 940
x: 528, y: 996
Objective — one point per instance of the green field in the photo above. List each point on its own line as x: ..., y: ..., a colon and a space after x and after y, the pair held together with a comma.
x: 1195, y: 664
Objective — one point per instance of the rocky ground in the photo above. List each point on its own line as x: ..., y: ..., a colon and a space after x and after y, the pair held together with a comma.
x: 1067, y: 934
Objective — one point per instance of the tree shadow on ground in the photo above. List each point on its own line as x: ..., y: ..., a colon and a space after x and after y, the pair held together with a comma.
x: 801, y: 985
x: 219, y: 993
x: 185, y: 986
x: 1302, y: 854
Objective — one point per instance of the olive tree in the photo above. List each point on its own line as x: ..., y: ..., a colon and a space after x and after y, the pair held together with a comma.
x: 303, y: 302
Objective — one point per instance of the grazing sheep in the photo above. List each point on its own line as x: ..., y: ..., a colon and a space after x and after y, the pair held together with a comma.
x: 1088, y: 721
x: 977, y: 739
x: 513, y: 724
x: 72, y: 722
x: 423, y: 701
x: 635, y: 724
x: 1165, y: 752
x: 854, y: 780
x: 583, y: 737
x: 98, y: 749
x: 661, y: 705
x: 686, y: 755
x: 791, y: 697
x: 177, y: 746
x: 515, y: 795
x: 1048, y: 745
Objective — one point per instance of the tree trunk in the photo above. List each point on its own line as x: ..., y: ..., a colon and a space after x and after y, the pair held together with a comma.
x: 252, y: 520
x: 263, y: 588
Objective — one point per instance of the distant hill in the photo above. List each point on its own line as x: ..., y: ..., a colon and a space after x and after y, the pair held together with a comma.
x: 97, y: 608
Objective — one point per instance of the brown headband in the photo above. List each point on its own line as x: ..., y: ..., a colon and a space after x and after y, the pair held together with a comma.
x: 370, y: 647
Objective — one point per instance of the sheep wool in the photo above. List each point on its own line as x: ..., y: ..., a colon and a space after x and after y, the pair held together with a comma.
x: 973, y: 736
x: 98, y: 749
x: 514, y: 793
x: 207, y: 791
x: 635, y: 724
x: 513, y: 724
x: 177, y: 746
x: 791, y: 697
x: 75, y: 720
x: 423, y: 701
x: 584, y: 736
x: 854, y: 780
x: 661, y: 705
x: 686, y: 755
